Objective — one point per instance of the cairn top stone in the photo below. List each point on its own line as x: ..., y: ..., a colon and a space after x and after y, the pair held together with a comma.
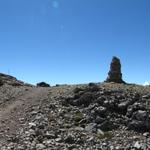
x: 114, y: 74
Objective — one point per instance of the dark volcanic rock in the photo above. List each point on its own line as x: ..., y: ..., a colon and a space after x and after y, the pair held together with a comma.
x: 1, y: 83
x: 140, y: 121
x: 115, y: 74
x: 111, y: 108
x: 43, y: 84
x: 10, y: 80
x: 85, y: 99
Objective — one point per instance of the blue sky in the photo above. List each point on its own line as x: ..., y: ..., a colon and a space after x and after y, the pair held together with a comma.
x: 73, y: 41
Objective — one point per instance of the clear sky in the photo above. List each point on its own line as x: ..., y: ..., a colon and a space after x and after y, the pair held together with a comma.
x: 73, y: 41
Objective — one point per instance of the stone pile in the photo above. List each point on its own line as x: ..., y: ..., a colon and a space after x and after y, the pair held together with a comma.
x: 115, y: 75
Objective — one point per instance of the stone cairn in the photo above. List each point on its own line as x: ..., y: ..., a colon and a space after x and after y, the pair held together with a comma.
x: 115, y: 75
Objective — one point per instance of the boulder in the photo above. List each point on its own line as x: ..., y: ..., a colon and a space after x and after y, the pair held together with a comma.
x: 43, y: 84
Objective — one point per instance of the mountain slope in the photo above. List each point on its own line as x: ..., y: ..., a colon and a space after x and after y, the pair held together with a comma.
x: 95, y: 116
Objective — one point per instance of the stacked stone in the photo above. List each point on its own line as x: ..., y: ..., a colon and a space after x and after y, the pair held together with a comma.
x: 115, y: 75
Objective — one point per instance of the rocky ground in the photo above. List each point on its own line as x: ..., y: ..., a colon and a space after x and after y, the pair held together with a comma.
x: 104, y: 116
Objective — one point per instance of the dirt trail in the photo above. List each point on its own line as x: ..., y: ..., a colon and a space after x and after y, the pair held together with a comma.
x: 10, y: 114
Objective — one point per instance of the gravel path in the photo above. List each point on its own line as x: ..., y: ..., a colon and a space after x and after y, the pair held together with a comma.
x: 16, y: 108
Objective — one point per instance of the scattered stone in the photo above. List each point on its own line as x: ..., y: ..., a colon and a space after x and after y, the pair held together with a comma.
x: 92, y: 127
x: 137, y: 145
x: 95, y: 116
x: 32, y: 125
x: 40, y: 147
x: 146, y: 96
x: 69, y: 139
x: 146, y: 134
x: 85, y: 99
x: 58, y: 140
